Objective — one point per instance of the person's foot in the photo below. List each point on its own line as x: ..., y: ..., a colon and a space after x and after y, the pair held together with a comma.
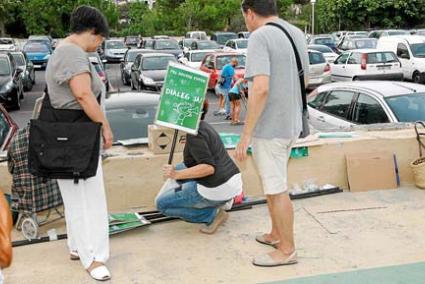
x: 275, y: 258
x: 73, y: 255
x: 219, y: 112
x: 267, y: 239
x: 228, y: 117
x: 98, y: 271
x: 221, y: 217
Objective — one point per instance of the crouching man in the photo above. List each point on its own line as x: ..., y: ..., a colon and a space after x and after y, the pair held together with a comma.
x: 207, y: 181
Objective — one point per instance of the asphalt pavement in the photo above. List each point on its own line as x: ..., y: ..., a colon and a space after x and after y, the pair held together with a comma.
x: 23, y: 116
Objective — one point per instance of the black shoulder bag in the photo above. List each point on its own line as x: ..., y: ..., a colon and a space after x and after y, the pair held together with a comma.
x: 306, y: 128
x: 63, y: 143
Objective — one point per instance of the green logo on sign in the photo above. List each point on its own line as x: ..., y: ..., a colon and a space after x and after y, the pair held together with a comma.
x: 182, y: 98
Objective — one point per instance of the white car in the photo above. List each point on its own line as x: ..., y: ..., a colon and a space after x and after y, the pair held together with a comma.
x: 114, y: 50
x: 239, y: 45
x: 341, y: 105
x: 7, y: 44
x: 410, y: 50
x: 327, y: 52
x: 193, y: 58
x: 366, y: 64
x: 319, y: 71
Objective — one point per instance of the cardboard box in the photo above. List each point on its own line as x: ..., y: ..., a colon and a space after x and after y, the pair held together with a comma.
x: 371, y: 171
x: 160, y: 140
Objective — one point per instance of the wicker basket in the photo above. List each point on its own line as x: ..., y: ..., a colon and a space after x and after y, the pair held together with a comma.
x: 418, y: 168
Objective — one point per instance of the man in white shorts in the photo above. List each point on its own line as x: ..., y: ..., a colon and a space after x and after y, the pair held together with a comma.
x: 274, y: 119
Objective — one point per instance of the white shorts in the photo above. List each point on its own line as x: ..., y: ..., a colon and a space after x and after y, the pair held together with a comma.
x: 271, y: 157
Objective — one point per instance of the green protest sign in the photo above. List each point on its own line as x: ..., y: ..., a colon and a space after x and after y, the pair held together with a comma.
x: 182, y: 98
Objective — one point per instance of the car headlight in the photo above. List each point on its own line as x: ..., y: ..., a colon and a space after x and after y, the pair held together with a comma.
x: 147, y: 80
x: 7, y: 87
x: 46, y: 57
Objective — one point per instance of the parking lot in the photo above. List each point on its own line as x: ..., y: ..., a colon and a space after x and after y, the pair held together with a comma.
x: 23, y: 116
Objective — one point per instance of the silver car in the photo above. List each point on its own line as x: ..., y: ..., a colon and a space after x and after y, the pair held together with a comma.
x: 341, y: 105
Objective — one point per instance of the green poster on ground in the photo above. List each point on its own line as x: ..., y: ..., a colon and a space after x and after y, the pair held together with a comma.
x: 182, y: 98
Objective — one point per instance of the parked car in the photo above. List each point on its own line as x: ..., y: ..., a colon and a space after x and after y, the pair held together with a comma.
x: 204, y: 44
x: 28, y: 71
x: 384, y: 33
x: 131, y: 41
x: 198, y: 35
x: 420, y: 32
x: 222, y: 37
x: 366, y: 64
x: 238, y: 45
x: 147, y: 43
x: 193, y: 58
x: 100, y: 68
x: 11, y: 87
x: 129, y: 57
x: 338, y: 35
x: 351, y: 43
x: 319, y: 69
x: 149, y: 70
x: 213, y: 63
x: 44, y: 39
x: 7, y: 44
x: 341, y: 105
x: 169, y: 46
x: 186, y: 43
x: 38, y: 53
x: 8, y: 128
x: 114, y: 50
x: 410, y: 50
x: 243, y: 34
x: 327, y: 52
x: 327, y: 40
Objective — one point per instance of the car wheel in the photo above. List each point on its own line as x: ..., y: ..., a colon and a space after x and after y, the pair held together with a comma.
x: 33, y: 78
x: 417, y: 78
x: 356, y: 79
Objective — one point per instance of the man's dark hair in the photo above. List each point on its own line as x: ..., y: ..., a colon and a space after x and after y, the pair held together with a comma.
x: 86, y: 18
x: 204, y: 109
x: 264, y: 8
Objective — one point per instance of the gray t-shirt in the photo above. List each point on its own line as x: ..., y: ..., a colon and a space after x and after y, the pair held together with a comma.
x: 67, y: 61
x: 270, y: 53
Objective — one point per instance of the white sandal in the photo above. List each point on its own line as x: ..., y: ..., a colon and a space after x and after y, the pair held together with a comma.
x: 100, y: 273
x: 73, y: 255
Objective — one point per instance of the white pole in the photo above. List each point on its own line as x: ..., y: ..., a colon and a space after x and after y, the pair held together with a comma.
x: 313, y: 2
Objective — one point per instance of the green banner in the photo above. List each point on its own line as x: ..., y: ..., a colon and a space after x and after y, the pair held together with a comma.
x: 182, y: 98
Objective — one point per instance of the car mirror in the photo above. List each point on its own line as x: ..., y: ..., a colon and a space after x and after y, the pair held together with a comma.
x: 405, y: 56
x: 19, y: 70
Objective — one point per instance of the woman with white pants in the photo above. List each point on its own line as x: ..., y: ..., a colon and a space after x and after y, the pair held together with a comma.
x: 73, y: 83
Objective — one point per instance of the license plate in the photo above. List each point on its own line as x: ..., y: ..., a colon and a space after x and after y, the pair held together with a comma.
x: 37, y: 66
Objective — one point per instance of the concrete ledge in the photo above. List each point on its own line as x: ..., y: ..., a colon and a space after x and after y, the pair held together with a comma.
x: 133, y: 176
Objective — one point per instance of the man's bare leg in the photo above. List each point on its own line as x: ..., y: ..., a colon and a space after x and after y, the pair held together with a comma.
x: 273, y: 236
x: 282, y: 213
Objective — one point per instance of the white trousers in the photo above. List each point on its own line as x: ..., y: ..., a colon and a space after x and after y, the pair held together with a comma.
x: 86, y: 217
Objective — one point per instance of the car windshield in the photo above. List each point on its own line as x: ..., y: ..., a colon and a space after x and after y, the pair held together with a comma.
x: 408, y: 108
x: 381, y: 57
x: 316, y: 58
x: 19, y: 59
x: 365, y: 43
x: 188, y: 42
x: 242, y: 44
x: 36, y: 48
x: 392, y: 33
x: 223, y: 60
x: 131, y: 56
x: 223, y: 38
x: 115, y: 45
x: 6, y: 41
x: 324, y: 40
x: 131, y: 122
x: 4, y: 67
x: 157, y: 63
x: 198, y: 56
x: 207, y: 45
x: 148, y: 44
x: 132, y: 39
x: 166, y: 44
x: 323, y: 48
x: 418, y: 49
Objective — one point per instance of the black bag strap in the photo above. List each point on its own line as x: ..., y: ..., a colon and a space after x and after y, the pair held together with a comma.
x: 419, y: 135
x: 299, y: 64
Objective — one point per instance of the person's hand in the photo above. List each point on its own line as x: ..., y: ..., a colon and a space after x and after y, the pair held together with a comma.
x: 169, y: 171
x: 242, y: 148
x: 108, y: 137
